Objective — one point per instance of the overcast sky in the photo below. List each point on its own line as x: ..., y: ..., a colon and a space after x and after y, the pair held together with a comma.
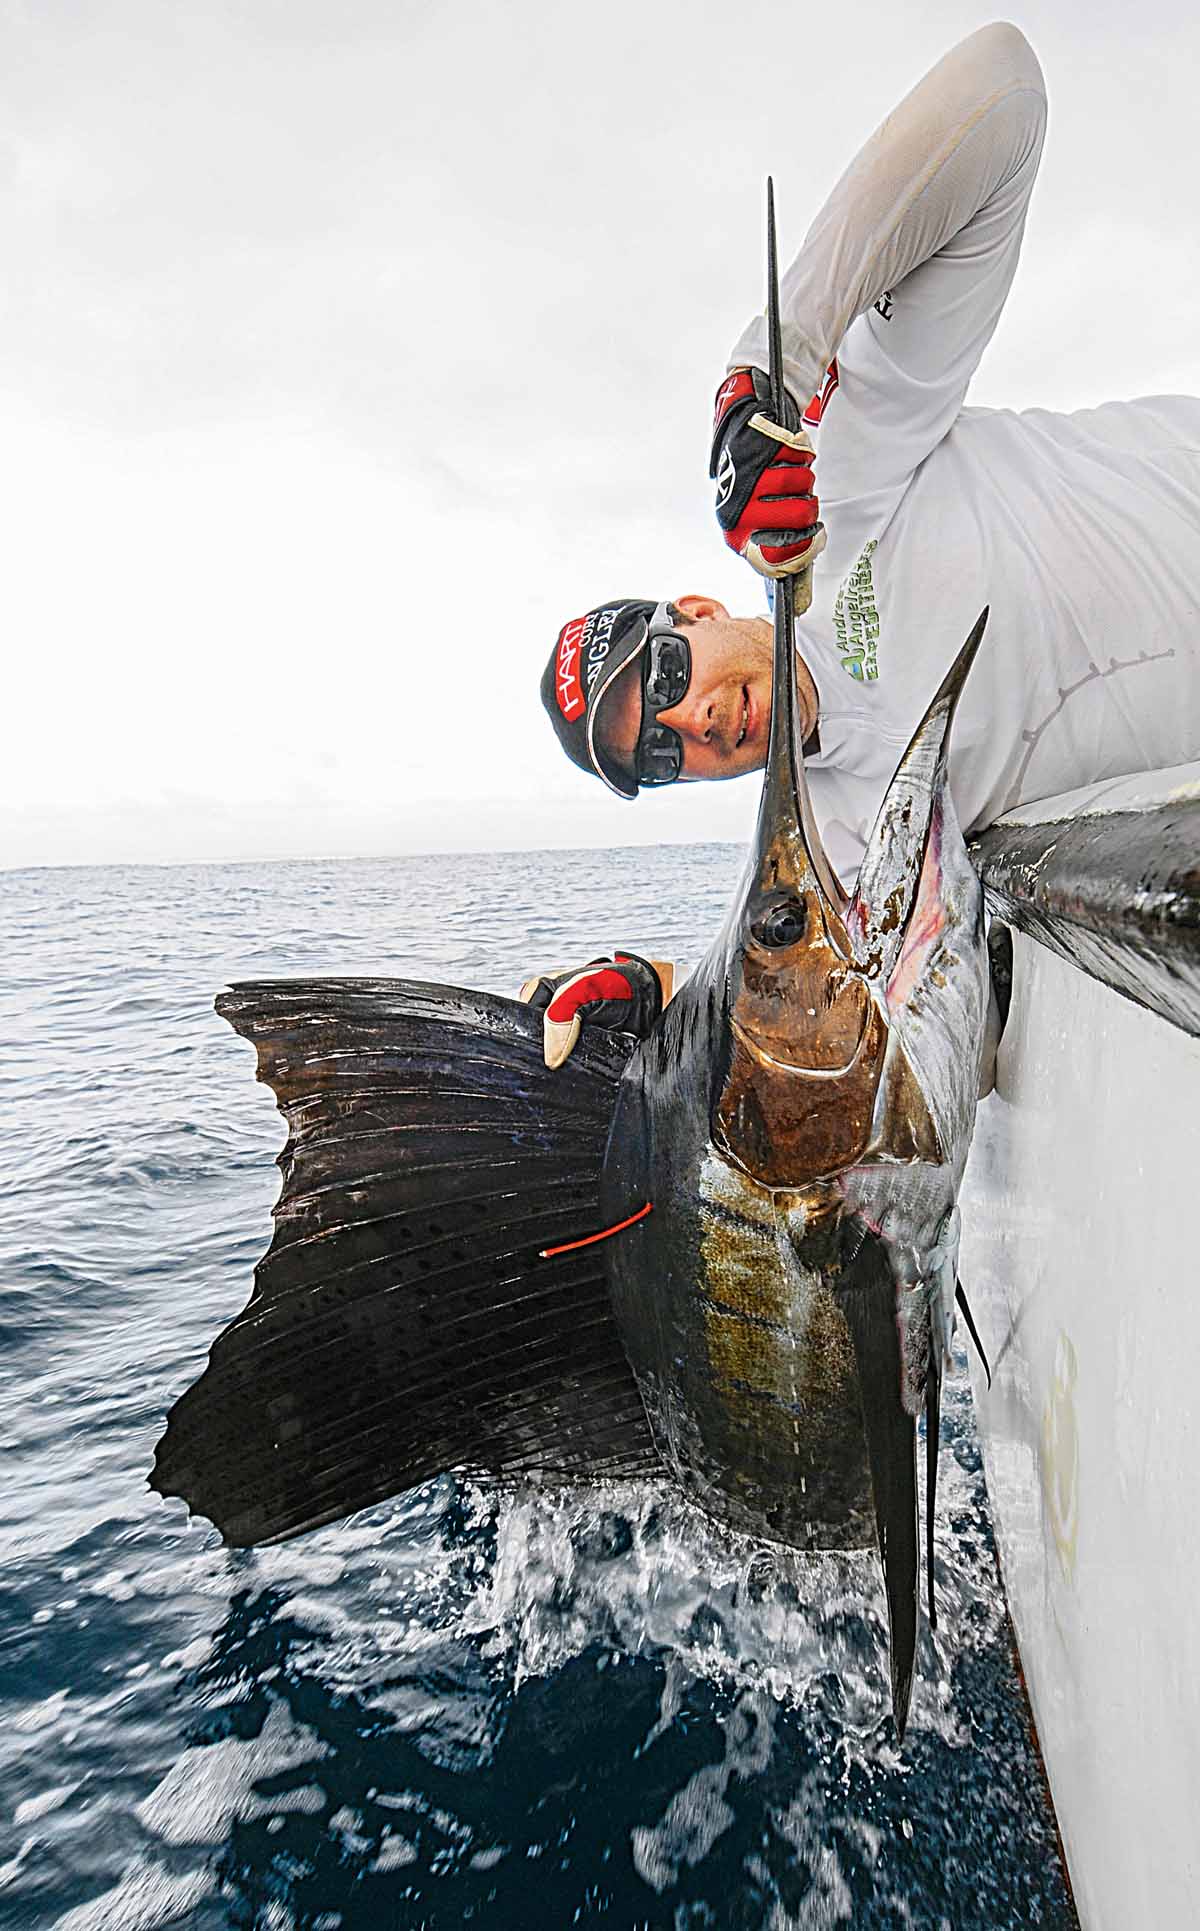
x: 349, y: 348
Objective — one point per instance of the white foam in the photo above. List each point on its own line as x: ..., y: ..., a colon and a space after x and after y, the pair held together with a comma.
x: 210, y: 1787
x: 699, y: 1813
x: 39, y: 1716
x: 147, y: 1898
x: 394, y: 1852
x: 41, y: 1805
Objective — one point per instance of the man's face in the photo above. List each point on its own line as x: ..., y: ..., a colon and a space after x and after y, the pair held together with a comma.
x: 724, y: 716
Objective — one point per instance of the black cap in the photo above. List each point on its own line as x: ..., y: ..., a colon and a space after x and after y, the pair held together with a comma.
x: 590, y: 652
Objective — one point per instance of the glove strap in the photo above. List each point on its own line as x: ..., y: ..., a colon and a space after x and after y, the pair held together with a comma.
x: 764, y: 556
x: 794, y: 438
x: 663, y: 970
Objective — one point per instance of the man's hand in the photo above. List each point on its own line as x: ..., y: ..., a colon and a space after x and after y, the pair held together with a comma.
x: 764, y: 476
x: 623, y: 994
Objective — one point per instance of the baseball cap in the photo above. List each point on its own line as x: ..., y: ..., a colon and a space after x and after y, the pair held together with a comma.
x: 590, y: 653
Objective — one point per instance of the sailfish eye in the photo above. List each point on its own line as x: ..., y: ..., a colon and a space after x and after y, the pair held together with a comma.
x: 783, y: 924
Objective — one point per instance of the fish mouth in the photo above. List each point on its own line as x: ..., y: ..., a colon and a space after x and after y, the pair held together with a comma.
x: 798, y: 1067
x: 798, y: 1096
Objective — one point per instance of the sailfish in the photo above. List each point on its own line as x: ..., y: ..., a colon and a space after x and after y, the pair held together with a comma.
x: 728, y: 1250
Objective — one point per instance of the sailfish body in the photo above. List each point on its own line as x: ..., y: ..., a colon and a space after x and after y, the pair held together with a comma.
x: 800, y: 1120
x: 786, y: 1146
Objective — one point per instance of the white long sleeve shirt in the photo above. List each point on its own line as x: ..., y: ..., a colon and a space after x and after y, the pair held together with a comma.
x: 1081, y: 531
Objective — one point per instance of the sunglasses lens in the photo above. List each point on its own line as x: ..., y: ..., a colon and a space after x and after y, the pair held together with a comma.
x: 668, y: 670
x: 659, y: 755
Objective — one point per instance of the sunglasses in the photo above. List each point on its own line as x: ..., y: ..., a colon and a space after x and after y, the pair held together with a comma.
x: 666, y: 673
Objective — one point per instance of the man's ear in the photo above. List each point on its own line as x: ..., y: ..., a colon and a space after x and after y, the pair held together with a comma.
x: 698, y: 608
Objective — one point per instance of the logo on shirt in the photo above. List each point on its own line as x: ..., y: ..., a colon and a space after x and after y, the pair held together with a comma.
x: 856, y: 620
x: 885, y: 305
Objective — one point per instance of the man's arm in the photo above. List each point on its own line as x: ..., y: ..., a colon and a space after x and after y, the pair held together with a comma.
x: 939, y: 195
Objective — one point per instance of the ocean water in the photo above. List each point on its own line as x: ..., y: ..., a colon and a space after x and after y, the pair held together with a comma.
x: 448, y: 1710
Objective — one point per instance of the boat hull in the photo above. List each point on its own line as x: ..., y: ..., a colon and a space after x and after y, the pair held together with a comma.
x: 1079, y: 1255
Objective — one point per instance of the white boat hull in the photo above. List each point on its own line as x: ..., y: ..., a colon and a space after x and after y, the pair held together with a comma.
x: 1080, y: 1260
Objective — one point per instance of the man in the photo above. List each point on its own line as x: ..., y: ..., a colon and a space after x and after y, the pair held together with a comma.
x: 1081, y: 531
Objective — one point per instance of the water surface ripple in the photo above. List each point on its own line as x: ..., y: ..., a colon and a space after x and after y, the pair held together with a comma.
x: 447, y: 1710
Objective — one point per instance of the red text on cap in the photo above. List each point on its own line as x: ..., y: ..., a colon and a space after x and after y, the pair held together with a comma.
x: 567, y: 687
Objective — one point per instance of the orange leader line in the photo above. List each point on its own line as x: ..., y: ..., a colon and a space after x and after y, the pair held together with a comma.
x: 548, y: 1253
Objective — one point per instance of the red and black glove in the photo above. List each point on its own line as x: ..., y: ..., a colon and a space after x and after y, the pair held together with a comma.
x: 764, y: 476
x: 624, y: 994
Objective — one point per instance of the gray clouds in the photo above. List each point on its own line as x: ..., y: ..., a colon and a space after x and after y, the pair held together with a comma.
x: 346, y: 350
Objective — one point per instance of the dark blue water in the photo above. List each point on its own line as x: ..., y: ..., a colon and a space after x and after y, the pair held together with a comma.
x: 445, y: 1711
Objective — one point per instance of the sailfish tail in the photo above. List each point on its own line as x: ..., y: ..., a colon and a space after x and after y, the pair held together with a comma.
x: 405, y: 1320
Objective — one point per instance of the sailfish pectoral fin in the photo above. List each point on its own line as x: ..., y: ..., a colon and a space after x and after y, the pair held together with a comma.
x: 972, y: 1330
x: 933, y: 1424
x: 891, y: 1436
x: 894, y: 1477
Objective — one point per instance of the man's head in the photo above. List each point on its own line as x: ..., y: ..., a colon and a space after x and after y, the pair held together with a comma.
x: 607, y: 677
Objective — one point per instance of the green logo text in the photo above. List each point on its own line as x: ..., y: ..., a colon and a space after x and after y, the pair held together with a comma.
x: 856, y: 620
